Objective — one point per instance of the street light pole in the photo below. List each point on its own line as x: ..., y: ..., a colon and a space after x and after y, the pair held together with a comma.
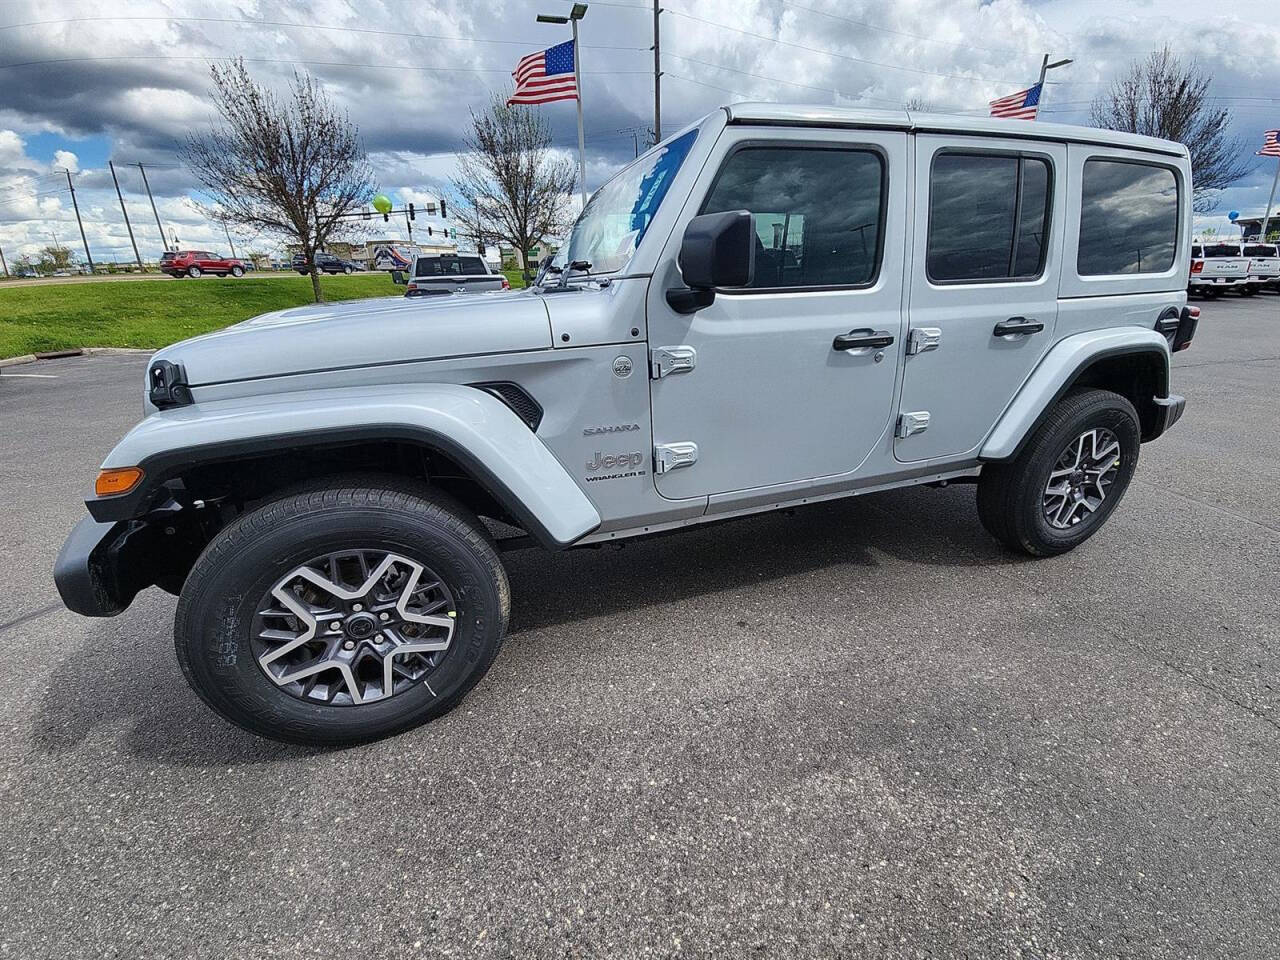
x: 163, y: 242
x: 1045, y: 67
x: 127, y: 225
x: 577, y: 13
x: 75, y: 206
x: 657, y: 76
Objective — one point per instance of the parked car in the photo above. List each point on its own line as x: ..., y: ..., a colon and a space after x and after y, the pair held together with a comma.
x: 325, y: 263
x: 452, y: 273
x: 775, y: 306
x: 1218, y: 267
x: 195, y: 263
x: 1264, y: 265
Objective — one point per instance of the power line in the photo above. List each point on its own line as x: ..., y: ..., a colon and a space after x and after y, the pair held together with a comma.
x: 252, y: 22
x: 302, y: 63
x: 839, y: 56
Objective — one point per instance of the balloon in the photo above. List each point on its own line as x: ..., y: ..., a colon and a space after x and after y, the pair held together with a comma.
x: 1232, y: 215
x: 382, y: 203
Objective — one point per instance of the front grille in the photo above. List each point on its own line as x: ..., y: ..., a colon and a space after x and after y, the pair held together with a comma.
x: 515, y: 397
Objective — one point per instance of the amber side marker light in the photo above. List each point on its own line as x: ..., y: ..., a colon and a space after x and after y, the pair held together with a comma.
x: 117, y: 480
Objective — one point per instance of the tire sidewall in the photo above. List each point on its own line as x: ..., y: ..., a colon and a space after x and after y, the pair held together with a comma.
x: 194, y: 272
x: 1113, y: 413
x: 215, y: 631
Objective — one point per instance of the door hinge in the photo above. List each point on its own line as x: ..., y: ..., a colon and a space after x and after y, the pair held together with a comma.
x: 668, y: 360
x: 923, y: 339
x: 672, y: 456
x: 912, y: 423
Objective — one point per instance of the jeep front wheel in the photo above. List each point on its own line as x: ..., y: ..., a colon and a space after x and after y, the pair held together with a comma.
x: 341, y: 615
x: 1068, y: 478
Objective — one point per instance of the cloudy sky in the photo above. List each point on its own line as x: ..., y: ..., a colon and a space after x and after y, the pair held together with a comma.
x: 83, y: 83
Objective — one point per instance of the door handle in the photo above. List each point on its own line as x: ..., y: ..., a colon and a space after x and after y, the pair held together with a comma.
x: 1016, y: 325
x: 865, y: 337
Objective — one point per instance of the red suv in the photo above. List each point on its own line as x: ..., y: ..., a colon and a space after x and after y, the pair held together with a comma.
x: 195, y: 263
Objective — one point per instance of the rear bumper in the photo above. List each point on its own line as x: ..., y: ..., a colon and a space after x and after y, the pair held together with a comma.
x: 1217, y: 281
x: 99, y: 568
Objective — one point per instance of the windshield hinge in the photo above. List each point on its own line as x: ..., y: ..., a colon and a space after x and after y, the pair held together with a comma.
x: 167, y: 385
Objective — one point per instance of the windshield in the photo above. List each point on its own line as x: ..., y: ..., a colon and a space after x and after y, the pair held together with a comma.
x: 616, y: 217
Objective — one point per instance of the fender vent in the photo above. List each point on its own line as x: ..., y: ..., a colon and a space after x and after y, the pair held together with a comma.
x: 515, y: 397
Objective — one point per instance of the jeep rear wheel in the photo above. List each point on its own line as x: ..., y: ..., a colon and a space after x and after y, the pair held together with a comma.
x: 344, y: 614
x: 1071, y: 474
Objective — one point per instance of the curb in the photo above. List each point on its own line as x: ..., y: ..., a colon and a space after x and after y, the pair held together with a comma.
x: 76, y: 352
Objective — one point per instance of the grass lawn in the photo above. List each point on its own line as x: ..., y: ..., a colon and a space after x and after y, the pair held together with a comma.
x: 155, y: 313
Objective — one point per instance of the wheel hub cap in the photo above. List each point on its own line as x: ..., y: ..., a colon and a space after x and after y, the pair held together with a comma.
x: 353, y: 627
x: 1080, y: 478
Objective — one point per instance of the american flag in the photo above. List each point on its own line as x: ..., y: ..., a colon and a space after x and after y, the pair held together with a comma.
x: 546, y: 76
x: 1018, y: 106
x: 1270, y: 144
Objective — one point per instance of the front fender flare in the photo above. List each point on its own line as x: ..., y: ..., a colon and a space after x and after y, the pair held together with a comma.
x: 470, y: 426
x: 1054, y: 376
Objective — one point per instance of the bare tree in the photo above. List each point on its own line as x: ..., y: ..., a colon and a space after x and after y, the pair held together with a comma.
x: 1163, y: 97
x: 293, y: 167
x: 510, y: 184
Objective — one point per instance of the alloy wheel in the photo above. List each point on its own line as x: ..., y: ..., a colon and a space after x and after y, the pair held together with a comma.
x: 354, y: 627
x: 1080, y: 478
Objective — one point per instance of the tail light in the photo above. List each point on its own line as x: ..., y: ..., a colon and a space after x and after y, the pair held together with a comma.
x: 506, y: 284
x: 1189, y: 317
x: 1197, y: 266
x: 410, y: 288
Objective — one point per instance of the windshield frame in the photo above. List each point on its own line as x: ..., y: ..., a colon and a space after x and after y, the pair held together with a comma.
x: 648, y: 161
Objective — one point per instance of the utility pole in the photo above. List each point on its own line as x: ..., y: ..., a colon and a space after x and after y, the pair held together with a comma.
x: 163, y: 242
x: 3, y: 264
x: 1045, y: 67
x: 227, y: 231
x: 127, y: 225
x: 75, y: 206
x: 657, y: 76
x: 1266, y: 219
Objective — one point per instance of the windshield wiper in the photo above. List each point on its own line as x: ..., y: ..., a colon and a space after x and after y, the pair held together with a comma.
x: 581, y: 266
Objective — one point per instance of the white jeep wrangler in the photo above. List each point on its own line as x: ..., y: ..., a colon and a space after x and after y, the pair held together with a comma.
x: 776, y: 306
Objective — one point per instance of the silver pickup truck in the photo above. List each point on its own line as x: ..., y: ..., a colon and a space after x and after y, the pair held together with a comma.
x: 433, y: 274
x: 776, y: 306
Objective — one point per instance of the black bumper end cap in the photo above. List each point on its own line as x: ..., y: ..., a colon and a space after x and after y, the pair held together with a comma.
x: 1170, y: 409
x: 77, y: 572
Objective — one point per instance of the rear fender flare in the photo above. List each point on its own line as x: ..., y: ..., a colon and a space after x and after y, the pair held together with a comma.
x: 470, y: 426
x: 1057, y: 372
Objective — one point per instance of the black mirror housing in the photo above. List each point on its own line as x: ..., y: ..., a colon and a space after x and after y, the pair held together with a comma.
x: 718, y: 250
x: 397, y: 276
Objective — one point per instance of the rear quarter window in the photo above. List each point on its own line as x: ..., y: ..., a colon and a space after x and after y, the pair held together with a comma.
x: 470, y: 265
x: 1128, y: 218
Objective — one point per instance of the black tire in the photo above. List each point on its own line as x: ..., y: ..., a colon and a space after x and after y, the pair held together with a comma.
x: 237, y: 271
x: 1011, y: 496
x: 213, y: 630
x: 346, y: 270
x: 302, y: 273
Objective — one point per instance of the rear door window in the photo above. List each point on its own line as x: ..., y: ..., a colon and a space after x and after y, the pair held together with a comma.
x: 1222, y: 250
x: 1259, y: 250
x: 988, y: 217
x: 1128, y: 218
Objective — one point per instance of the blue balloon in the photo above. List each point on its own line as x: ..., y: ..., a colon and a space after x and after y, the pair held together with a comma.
x: 1232, y: 215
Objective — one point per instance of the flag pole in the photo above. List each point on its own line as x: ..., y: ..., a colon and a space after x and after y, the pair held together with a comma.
x: 1266, y: 220
x: 577, y: 81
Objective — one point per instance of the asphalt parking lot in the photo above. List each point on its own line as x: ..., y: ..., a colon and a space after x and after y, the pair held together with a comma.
x: 864, y: 730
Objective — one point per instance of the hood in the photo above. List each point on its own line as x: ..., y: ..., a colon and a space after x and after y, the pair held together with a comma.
x: 357, y: 333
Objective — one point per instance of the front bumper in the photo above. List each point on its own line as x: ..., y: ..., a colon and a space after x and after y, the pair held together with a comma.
x: 100, y: 568
x: 1168, y: 411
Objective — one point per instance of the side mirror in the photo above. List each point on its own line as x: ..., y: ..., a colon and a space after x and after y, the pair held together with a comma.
x: 718, y: 250
x: 397, y: 276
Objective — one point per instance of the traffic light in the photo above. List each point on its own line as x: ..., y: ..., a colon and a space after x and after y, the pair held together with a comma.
x: 443, y: 215
x: 412, y: 215
x: 385, y: 218
x: 429, y: 232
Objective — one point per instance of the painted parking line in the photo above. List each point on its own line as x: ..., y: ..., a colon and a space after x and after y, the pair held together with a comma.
x: 32, y: 376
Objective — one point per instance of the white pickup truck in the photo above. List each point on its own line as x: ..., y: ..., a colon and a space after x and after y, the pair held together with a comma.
x: 1217, y: 267
x: 1264, y: 265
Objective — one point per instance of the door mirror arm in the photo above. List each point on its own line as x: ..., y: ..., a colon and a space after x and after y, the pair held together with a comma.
x: 718, y: 250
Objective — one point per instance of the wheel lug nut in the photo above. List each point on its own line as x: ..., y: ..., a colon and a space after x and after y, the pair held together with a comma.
x: 384, y: 616
x: 349, y: 645
x: 335, y: 626
x: 357, y: 607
